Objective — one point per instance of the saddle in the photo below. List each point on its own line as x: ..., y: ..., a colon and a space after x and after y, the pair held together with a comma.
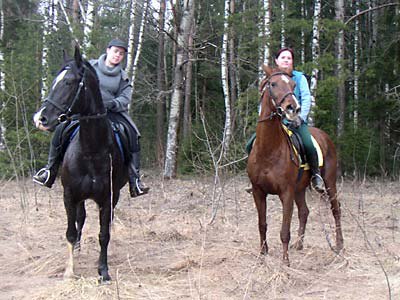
x: 298, y: 148
x: 119, y: 132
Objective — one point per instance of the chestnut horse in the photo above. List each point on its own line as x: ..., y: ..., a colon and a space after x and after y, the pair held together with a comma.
x: 273, y: 169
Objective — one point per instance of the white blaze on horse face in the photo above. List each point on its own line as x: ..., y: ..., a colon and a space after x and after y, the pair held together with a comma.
x: 59, y: 78
x: 284, y: 78
x: 36, y: 119
x: 297, y: 102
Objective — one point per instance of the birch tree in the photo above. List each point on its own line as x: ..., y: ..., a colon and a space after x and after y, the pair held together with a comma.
x: 177, y: 90
x: 224, y: 80
x: 139, y: 43
x: 315, y: 57
x: 131, y: 37
x: 187, y: 121
x: 339, y: 12
x: 88, y: 21
x: 355, y: 64
x: 265, y: 34
x: 283, y: 30
x: 161, y: 84
x: 302, y: 34
x: 49, y: 13
x: 2, y: 81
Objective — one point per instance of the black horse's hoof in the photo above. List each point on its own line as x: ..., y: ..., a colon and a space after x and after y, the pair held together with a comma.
x: 104, y: 276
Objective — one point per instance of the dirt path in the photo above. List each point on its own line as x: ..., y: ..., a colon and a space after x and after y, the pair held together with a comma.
x: 163, y: 247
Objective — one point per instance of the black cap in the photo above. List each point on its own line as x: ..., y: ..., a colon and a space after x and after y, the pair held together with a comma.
x: 118, y: 43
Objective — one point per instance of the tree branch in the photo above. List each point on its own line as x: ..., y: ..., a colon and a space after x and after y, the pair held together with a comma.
x: 368, y: 10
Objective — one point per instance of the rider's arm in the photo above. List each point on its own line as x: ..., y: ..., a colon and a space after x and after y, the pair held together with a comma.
x: 305, y: 97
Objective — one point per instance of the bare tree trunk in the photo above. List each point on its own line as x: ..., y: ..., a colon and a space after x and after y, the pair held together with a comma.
x: 161, y: 109
x: 170, y: 165
x: 48, y: 10
x: 339, y: 11
x: 265, y: 33
x: 302, y: 35
x: 232, y: 69
x: 187, y: 119
x: 283, y: 17
x: 225, y: 81
x: 315, y: 56
x: 356, y: 66
x: 88, y: 26
x: 131, y: 38
x: 2, y: 82
x: 66, y: 17
x: 139, y: 44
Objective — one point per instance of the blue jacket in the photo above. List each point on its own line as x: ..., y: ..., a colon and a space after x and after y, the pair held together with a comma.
x: 302, y: 93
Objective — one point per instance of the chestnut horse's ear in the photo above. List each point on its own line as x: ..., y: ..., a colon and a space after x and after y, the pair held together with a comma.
x: 267, y: 70
x: 78, y: 56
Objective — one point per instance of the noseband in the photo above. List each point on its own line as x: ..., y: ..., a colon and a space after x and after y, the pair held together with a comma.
x: 278, y: 109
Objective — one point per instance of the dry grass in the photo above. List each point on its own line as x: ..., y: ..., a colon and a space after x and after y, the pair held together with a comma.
x: 163, y: 247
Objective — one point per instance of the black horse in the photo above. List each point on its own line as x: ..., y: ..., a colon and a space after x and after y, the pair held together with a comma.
x: 93, y: 166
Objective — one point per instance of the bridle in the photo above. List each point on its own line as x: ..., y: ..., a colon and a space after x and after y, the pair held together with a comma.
x: 67, y: 113
x: 266, y: 85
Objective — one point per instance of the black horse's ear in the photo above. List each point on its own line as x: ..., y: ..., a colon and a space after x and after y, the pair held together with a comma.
x: 65, y: 55
x: 78, y: 56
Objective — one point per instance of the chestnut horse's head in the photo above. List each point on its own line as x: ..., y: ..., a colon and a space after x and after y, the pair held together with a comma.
x: 278, y: 97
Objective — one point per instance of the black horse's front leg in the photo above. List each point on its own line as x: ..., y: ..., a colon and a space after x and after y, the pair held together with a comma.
x: 104, y: 239
x: 71, y: 233
x: 80, y: 222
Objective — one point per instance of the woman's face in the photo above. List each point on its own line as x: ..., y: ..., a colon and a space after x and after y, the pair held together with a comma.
x: 284, y: 60
x: 114, y: 56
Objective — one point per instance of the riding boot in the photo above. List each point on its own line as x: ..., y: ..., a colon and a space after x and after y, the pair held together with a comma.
x: 136, y: 186
x: 47, y: 175
x: 316, y: 179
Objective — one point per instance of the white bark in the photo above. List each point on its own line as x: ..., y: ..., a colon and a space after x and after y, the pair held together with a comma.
x: 355, y: 63
x: 339, y: 11
x: 315, y: 57
x: 2, y: 80
x: 176, y: 98
x: 139, y: 45
x: 265, y: 36
x: 88, y: 25
x: 66, y: 17
x: 131, y: 39
x: 283, y: 31
x: 48, y: 10
x: 224, y: 79
x: 302, y: 35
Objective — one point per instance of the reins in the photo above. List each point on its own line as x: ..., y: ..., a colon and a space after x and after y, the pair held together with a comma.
x: 68, y: 115
x: 278, y: 111
x: 266, y: 84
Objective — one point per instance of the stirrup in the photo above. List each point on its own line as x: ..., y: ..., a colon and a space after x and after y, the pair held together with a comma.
x: 137, y: 189
x: 42, y: 176
x: 319, y: 185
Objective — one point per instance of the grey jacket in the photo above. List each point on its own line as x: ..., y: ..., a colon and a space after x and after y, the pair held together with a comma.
x: 115, y: 88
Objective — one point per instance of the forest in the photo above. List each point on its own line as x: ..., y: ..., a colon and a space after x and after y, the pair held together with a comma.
x: 195, y: 69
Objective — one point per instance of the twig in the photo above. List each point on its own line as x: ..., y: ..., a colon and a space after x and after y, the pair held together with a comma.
x: 373, y: 251
x: 368, y: 10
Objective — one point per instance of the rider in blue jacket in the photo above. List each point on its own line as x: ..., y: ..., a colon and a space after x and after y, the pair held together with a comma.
x: 284, y: 61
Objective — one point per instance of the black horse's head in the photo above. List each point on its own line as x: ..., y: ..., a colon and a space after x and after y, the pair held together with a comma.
x: 66, y: 90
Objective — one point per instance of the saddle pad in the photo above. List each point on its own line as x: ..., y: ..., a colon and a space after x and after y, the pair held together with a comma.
x: 316, y: 145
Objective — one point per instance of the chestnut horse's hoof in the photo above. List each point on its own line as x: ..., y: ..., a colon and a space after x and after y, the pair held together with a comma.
x: 264, y: 250
x: 298, y: 245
